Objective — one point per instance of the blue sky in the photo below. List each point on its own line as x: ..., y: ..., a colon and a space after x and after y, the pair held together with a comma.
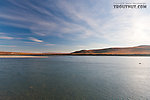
x: 70, y: 25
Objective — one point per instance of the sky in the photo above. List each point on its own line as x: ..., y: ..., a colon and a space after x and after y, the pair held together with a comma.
x: 70, y: 25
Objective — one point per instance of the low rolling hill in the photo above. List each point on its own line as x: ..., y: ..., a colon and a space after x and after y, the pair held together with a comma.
x: 138, y: 50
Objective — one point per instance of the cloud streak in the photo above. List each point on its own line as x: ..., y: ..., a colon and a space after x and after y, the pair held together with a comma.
x: 49, y: 44
x: 6, y: 37
x: 35, y: 40
x: 8, y: 46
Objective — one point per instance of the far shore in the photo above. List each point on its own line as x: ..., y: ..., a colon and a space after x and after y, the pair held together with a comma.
x: 43, y: 55
x: 142, y: 50
x: 19, y: 56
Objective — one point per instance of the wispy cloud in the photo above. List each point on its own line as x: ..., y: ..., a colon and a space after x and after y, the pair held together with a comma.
x: 8, y: 46
x: 51, y: 24
x: 2, y: 33
x: 49, y: 44
x: 35, y: 40
x: 6, y: 37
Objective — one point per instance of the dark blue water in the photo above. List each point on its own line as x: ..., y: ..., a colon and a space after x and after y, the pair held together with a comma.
x: 75, y: 78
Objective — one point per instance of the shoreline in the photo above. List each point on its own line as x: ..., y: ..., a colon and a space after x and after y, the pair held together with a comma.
x: 20, y: 56
x: 69, y: 54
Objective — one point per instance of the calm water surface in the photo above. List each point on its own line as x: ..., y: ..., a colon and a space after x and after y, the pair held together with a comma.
x: 75, y: 78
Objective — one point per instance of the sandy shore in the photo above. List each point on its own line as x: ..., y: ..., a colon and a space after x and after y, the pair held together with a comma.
x: 23, y: 56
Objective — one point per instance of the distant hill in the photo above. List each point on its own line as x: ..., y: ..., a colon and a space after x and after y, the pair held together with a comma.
x: 142, y: 49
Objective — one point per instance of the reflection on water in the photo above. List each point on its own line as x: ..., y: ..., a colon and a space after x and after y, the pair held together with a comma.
x: 75, y: 78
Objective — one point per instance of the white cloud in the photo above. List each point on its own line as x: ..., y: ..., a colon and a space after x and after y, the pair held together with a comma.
x: 6, y: 37
x: 49, y: 44
x: 8, y: 46
x: 2, y: 33
x: 35, y: 40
